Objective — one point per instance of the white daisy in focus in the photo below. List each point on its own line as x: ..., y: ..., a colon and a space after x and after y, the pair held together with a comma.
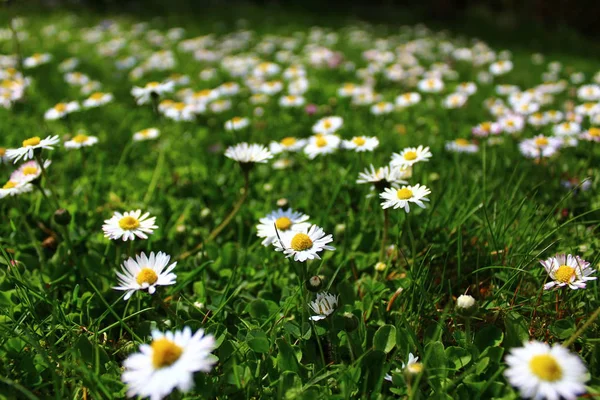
x: 321, y: 144
x: 129, y: 225
x: 280, y: 221
x: 31, y: 145
x: 236, y: 123
x: 14, y: 188
x: 328, y: 125
x: 324, y: 305
x: 97, y: 99
x: 146, y: 134
x: 81, y: 140
x: 145, y: 273
x: 402, y: 197
x: 245, y: 153
x: 410, y: 156
x: 543, y: 372
x: 461, y: 146
x: 304, y: 245
x: 361, y: 143
x: 61, y: 110
x: 143, y: 94
x: 567, y: 270
x: 289, y: 143
x: 167, y: 363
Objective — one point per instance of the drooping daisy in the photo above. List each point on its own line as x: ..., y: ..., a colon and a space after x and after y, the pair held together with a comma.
x: 97, y: 99
x: 401, y: 198
x: 280, y: 221
x: 410, y: 156
x: 236, y: 123
x: 361, y: 143
x: 383, y: 177
x: 28, y: 171
x: 461, y: 146
x: 245, y: 153
x: 289, y: 143
x: 324, y: 305
x: 146, y: 134
x: 567, y: 270
x: 81, y: 140
x: 169, y: 362
x: 145, y: 273
x: 14, y: 188
x: 31, y: 145
x: 61, y: 110
x: 543, y: 372
x: 129, y: 225
x: 412, y: 367
x: 143, y: 94
x: 321, y: 144
x: 328, y: 125
x: 304, y: 245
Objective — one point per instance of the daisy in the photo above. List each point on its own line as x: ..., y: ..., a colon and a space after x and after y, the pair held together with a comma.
x: 588, y: 109
x: 383, y: 107
x: 485, y: 129
x: 324, y: 305
x: 179, y: 111
x: 219, y: 106
x: 467, y: 88
x: 129, y: 225
x: 512, y: 123
x: 408, y: 99
x: 304, y: 245
x: 410, y: 156
x: 236, y: 124
x: 28, y: 171
x: 145, y: 273
x: 245, y: 153
x: 543, y: 372
x: 321, y: 144
x: 431, y: 85
x: 567, y: 270
x: 30, y: 146
x: 361, y: 143
x: 280, y: 221
x: 168, y: 362
x: 539, y: 146
x: 291, y: 101
x: 146, y: 134
x: 501, y: 67
x: 228, y: 89
x: 271, y: 87
x: 289, y: 143
x: 61, y: 110
x: 566, y: 129
x: 14, y: 188
x: 142, y: 94
x: 97, y: 99
x: 81, y: 140
x: 589, y: 92
x: 383, y: 177
x: 461, y: 146
x: 592, y: 135
x: 36, y: 60
x: 401, y: 198
x: 554, y: 116
x: 412, y: 367
x: 328, y: 125
x: 76, y: 78
x: 537, y: 119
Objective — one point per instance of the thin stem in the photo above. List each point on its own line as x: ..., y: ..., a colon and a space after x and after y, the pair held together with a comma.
x: 30, y: 233
x: 468, y: 332
x: 40, y: 162
x: 587, y: 324
x: 386, y: 226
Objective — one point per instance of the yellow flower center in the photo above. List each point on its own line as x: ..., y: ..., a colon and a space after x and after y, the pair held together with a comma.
x: 462, y: 142
x: 60, y: 107
x: 595, y: 132
x: 430, y: 83
x: 486, y: 126
x: 235, y: 120
x: 510, y: 122
x: 359, y: 141
x: 283, y: 223
x: 541, y: 141
x: 146, y: 275
x: 37, y: 56
x: 2, y: 151
x: 164, y: 353
x: 204, y: 93
x: 415, y: 368
x: 97, y: 96
x: 404, y: 194
x: 10, y: 185
x: 179, y: 106
x: 589, y: 106
x: 145, y: 132
x: 327, y: 124
x: 349, y: 86
x: 567, y: 125
x: 29, y: 170
x: 410, y: 155
x: 288, y: 141
x: 406, y: 96
x: 321, y: 141
x: 564, y: 273
x: 129, y: 223
x: 301, y: 242
x: 34, y: 141
x: 152, y: 85
x: 545, y: 367
x: 80, y: 138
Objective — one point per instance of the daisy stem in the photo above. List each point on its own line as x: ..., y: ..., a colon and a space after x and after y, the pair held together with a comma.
x: 580, y: 331
x: 234, y: 210
x: 30, y: 233
x: 386, y: 226
x: 17, y: 45
x: 40, y: 162
x: 468, y: 332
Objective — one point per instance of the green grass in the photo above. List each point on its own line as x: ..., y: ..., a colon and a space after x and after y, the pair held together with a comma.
x: 492, y: 216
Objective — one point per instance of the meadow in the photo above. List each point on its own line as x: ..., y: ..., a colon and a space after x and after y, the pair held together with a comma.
x: 194, y: 208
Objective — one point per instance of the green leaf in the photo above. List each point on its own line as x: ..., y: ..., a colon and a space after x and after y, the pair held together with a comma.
x: 563, y: 328
x: 435, y: 357
x: 481, y: 365
x: 258, y: 341
x: 490, y: 336
x: 458, y: 356
x: 385, y: 338
x: 286, y: 359
x: 517, y: 330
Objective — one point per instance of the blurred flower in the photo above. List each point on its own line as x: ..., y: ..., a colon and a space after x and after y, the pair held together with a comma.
x: 31, y: 145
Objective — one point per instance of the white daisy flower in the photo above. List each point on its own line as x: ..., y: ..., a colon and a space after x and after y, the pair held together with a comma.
x: 383, y: 107
x: 401, y: 198
x: 279, y: 221
x: 14, y: 188
x: 461, y: 146
x: 567, y: 270
x: 304, y: 245
x: 591, y: 135
x: 97, y: 99
x: 467, y: 88
x: 228, y: 89
x: 292, y: 101
x: 537, y: 119
x: 588, y: 109
x: 245, y: 153
x: 487, y: 128
x: 236, y: 123
x: 321, y: 144
x: 324, y: 305
x: 589, y: 92
x: 61, y: 110
x: 328, y: 125
x: 566, y: 129
x: 408, y: 99
x: 554, y: 116
x: 512, y: 123
x: 81, y: 140
x: 129, y: 225
x: 76, y: 78
x: 412, y: 367
x: 179, y: 111
x: 146, y: 134
x: 145, y: 273
x: 289, y: 143
x: 36, y: 60
x: 431, y: 85
x: 501, y: 67
x: 361, y: 143
x: 28, y: 171
x: 540, y: 146
x: 168, y: 362
x: 383, y: 177
x: 455, y: 100
x: 410, y: 156
x: 543, y: 372
x: 220, y: 106
x: 30, y: 146
x: 143, y: 94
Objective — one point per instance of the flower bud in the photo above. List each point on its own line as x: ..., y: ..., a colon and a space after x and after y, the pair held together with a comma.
x: 62, y: 217
x: 465, y: 304
x: 314, y: 284
x: 350, y: 322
